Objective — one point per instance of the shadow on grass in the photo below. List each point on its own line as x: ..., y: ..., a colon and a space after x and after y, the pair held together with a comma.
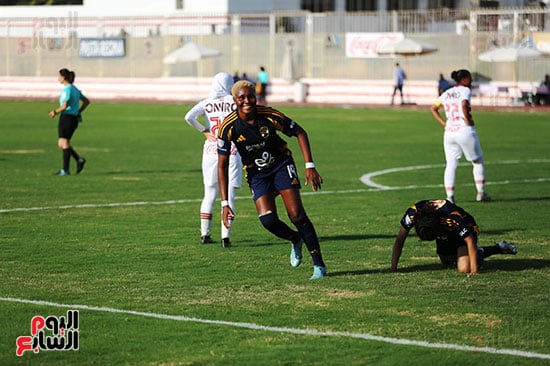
x: 356, y: 237
x: 490, y: 265
x: 415, y: 268
x: 494, y: 232
x: 511, y: 265
x: 325, y: 238
x: 357, y: 272
x: 520, y: 199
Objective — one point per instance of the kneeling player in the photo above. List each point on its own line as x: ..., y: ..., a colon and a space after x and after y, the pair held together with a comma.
x: 454, y: 231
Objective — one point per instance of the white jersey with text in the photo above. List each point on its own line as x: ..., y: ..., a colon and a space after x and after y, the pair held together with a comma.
x: 214, y: 111
x: 452, y: 100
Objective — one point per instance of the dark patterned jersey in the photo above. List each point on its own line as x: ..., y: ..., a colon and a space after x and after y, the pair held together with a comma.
x: 455, y: 223
x: 259, y: 144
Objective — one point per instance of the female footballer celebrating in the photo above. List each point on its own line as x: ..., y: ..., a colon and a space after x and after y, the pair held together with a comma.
x: 460, y: 134
x: 270, y: 170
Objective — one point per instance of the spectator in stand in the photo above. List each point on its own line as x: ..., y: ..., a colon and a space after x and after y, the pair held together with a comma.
x: 245, y: 77
x: 542, y: 95
x: 399, y: 77
x: 261, y: 86
x: 443, y: 84
x: 236, y: 77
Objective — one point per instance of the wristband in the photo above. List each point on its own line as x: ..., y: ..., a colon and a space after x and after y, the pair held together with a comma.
x: 225, y: 203
x: 310, y: 165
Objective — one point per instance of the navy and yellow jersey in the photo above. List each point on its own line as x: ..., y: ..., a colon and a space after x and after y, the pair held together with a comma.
x: 455, y: 223
x: 258, y: 144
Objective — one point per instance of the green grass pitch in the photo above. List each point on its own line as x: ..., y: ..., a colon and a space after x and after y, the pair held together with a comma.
x: 120, y: 243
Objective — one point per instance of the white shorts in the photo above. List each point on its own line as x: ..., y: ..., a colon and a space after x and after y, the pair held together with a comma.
x: 210, y: 165
x: 464, y: 141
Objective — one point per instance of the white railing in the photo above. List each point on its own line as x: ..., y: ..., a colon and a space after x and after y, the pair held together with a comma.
x: 38, y: 46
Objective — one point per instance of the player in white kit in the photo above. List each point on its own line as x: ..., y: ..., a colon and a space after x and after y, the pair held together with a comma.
x: 218, y: 105
x: 460, y: 135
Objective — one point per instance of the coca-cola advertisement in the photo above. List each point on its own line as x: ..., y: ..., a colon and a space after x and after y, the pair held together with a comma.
x: 364, y: 45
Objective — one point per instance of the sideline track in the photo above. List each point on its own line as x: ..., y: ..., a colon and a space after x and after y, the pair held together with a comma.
x: 309, y: 332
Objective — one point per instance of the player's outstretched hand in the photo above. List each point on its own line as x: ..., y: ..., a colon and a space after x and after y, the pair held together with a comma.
x: 227, y: 214
x: 313, y: 178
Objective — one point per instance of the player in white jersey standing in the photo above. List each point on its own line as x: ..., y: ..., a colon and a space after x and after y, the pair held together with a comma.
x: 460, y: 135
x: 218, y: 105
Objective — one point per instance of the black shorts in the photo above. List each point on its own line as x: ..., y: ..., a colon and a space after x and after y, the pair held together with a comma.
x: 282, y: 176
x: 449, y: 247
x: 67, y: 126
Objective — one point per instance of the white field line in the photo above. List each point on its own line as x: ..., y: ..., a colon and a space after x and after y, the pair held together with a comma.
x: 366, y: 179
x: 308, y: 332
x: 183, y: 201
x: 99, y: 205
